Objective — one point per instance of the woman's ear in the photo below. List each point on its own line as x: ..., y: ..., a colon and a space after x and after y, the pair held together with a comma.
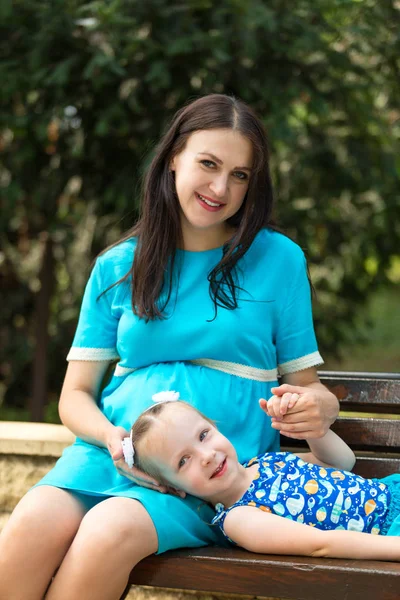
x: 172, y: 166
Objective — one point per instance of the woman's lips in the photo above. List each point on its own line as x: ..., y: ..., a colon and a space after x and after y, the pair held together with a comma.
x: 220, y: 470
x: 208, y: 204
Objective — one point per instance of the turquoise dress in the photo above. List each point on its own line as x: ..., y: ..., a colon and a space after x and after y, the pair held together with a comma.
x: 221, y: 365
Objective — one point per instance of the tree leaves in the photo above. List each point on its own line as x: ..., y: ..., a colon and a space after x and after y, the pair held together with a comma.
x: 87, y: 88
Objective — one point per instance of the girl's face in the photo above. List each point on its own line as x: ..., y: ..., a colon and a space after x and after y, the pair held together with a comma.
x: 192, y: 454
x: 212, y: 177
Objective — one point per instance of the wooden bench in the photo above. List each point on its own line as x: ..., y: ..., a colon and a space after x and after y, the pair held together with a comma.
x: 375, y: 437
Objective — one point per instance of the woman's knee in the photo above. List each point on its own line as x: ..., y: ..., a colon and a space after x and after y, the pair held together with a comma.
x: 35, y: 540
x: 118, y: 526
x: 45, y: 513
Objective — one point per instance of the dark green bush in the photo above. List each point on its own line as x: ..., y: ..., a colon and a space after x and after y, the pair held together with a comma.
x: 86, y: 89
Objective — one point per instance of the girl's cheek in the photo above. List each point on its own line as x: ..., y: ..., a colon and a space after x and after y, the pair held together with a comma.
x: 197, y: 483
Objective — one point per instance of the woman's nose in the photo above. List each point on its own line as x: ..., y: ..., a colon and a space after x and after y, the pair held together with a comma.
x: 219, y: 185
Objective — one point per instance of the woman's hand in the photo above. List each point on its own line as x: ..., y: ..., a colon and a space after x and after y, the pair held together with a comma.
x: 134, y: 474
x: 301, y: 412
x: 277, y: 406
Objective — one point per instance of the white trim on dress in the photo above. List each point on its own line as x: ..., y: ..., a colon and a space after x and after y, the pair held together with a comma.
x: 122, y: 371
x: 237, y: 369
x: 299, y: 364
x: 92, y: 354
x: 244, y: 371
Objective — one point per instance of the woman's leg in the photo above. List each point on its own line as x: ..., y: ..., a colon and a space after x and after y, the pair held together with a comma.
x: 35, y: 541
x: 113, y: 536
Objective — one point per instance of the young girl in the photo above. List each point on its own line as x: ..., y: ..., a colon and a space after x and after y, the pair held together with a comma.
x: 202, y: 294
x: 277, y: 503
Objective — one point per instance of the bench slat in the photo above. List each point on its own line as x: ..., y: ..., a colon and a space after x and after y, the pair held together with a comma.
x: 376, y: 466
x: 368, y: 464
x: 364, y: 391
x: 240, y: 572
x: 367, y: 432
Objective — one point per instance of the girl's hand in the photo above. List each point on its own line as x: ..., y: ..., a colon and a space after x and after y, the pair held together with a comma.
x: 134, y: 474
x: 277, y: 406
x: 306, y: 419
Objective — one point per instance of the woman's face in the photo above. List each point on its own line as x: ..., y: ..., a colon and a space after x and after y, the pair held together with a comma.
x: 212, y: 176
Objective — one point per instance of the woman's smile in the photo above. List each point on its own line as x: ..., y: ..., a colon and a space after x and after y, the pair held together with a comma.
x: 212, y: 176
x: 209, y: 204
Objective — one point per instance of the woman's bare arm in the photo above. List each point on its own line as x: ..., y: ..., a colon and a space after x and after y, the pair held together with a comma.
x: 80, y: 413
x: 78, y: 407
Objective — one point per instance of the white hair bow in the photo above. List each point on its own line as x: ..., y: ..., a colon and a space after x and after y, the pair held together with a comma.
x: 168, y: 396
x: 127, y: 443
x: 129, y: 451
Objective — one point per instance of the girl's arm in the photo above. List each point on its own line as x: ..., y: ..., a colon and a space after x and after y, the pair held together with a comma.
x: 265, y: 533
x: 330, y: 451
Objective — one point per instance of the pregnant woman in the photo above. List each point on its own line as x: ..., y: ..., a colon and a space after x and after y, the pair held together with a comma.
x: 202, y: 295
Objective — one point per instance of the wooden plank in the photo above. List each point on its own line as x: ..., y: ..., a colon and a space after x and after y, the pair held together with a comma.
x: 368, y: 391
x: 370, y: 466
x: 369, y: 432
x: 379, y: 376
x: 240, y: 572
x: 365, y: 392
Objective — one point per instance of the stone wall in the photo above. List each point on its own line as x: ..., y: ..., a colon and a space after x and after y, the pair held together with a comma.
x: 27, y: 452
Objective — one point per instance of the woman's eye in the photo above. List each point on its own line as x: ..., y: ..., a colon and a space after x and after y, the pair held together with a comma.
x: 208, y: 163
x: 203, y: 434
x: 240, y: 175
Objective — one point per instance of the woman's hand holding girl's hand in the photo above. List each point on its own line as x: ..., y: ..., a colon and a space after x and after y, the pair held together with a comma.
x: 298, y: 412
x: 277, y: 406
x: 134, y: 474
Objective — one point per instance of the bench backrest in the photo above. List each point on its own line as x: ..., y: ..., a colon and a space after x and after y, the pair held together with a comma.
x: 369, y: 418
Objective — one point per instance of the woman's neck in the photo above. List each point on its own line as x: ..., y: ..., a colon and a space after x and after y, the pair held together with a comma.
x: 199, y: 240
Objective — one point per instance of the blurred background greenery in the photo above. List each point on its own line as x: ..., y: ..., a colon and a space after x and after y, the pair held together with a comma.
x: 86, y: 90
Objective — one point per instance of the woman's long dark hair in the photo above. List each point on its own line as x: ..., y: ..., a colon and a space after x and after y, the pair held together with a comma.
x: 158, y: 229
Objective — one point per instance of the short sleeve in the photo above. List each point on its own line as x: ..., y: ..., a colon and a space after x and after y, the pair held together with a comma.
x: 296, y: 345
x: 96, y: 335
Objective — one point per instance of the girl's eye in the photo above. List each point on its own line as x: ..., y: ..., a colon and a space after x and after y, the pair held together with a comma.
x: 182, y: 462
x: 203, y: 434
x: 241, y: 175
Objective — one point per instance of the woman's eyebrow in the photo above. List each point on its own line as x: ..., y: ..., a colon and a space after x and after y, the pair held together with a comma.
x: 219, y: 161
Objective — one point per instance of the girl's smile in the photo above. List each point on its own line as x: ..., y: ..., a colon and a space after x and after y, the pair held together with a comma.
x: 193, y: 456
x: 221, y: 469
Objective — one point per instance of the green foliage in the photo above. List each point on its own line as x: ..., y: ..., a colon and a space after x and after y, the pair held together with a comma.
x: 88, y: 87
